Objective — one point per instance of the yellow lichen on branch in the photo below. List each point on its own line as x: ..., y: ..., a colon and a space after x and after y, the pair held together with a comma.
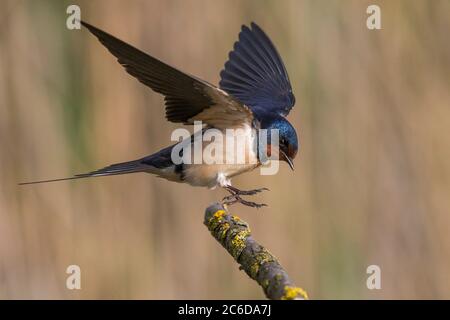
x: 259, y: 264
x: 293, y: 292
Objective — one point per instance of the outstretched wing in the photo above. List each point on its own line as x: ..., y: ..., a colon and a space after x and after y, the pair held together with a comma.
x: 187, y: 98
x: 255, y: 73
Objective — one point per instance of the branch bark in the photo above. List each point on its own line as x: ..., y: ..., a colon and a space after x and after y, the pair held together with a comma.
x: 259, y: 264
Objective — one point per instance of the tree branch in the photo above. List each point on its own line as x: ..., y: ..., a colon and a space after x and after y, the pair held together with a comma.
x: 259, y: 264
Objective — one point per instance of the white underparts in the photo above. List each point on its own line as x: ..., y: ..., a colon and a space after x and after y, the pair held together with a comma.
x: 222, y: 180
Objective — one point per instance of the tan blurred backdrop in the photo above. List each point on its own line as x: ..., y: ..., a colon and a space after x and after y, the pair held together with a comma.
x: 372, y: 180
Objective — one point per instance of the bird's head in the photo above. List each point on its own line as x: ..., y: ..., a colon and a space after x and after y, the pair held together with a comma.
x: 287, y: 139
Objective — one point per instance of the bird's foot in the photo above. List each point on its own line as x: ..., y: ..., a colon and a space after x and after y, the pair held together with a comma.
x: 252, y: 204
x: 236, y: 191
x: 234, y: 198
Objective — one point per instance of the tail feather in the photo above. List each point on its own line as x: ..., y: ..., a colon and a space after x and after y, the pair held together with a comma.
x: 114, y: 169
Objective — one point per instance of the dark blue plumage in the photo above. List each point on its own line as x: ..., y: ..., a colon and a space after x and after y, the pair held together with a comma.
x: 285, y: 129
x: 256, y: 75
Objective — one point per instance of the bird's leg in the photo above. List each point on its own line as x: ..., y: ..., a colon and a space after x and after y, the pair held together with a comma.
x: 231, y: 199
x: 235, y: 197
x: 252, y: 204
x: 234, y: 190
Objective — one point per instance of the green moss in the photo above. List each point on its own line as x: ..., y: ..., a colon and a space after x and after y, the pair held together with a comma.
x: 238, y: 242
x: 241, y: 223
x: 223, y: 230
x: 233, y: 233
x: 254, y: 269
x: 265, y: 284
x: 216, y: 219
x: 261, y: 258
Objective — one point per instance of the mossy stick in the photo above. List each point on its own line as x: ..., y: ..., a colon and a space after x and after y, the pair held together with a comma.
x: 259, y: 264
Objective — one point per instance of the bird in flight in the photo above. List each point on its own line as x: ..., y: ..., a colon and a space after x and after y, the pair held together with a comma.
x: 254, y: 93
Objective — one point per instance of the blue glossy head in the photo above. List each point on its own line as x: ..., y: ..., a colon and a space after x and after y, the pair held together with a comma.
x: 288, y: 142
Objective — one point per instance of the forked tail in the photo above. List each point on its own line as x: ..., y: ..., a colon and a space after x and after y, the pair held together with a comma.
x: 114, y: 169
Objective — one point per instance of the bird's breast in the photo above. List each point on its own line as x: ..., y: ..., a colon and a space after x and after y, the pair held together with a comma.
x: 226, y: 155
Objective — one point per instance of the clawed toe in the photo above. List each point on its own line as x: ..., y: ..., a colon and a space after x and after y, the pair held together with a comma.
x: 252, y: 204
x: 252, y: 192
x: 235, y: 197
x: 230, y: 198
x: 237, y: 191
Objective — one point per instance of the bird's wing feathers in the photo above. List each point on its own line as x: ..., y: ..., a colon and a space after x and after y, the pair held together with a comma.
x: 256, y: 75
x: 187, y: 98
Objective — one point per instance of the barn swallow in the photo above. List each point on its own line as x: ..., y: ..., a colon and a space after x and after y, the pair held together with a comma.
x: 254, y: 93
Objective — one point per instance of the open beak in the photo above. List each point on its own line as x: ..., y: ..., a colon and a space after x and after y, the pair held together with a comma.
x: 287, y: 159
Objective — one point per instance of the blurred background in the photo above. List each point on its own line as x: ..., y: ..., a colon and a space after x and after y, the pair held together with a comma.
x: 372, y: 179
